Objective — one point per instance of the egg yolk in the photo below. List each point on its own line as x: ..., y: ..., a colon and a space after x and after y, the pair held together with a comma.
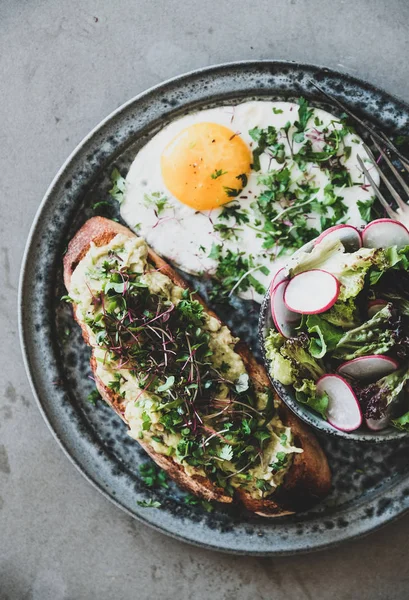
x: 206, y: 165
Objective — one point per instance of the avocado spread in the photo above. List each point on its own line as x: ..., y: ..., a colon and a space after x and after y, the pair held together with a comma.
x: 183, y: 388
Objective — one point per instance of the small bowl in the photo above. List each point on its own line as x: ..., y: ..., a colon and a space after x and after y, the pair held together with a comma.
x: 287, y: 394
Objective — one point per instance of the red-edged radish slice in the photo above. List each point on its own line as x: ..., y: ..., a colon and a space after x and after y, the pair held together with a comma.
x: 285, y: 320
x: 280, y: 276
x: 368, y: 368
x: 344, y: 412
x: 378, y: 424
x: 347, y: 234
x: 383, y: 233
x: 311, y: 292
x: 375, y: 306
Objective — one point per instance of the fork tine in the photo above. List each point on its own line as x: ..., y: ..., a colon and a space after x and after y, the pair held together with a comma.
x: 401, y: 203
x: 378, y: 193
x: 391, y: 166
x: 405, y: 162
x: 381, y: 138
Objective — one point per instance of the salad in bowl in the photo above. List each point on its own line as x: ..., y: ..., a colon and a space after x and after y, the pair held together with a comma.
x: 335, y: 331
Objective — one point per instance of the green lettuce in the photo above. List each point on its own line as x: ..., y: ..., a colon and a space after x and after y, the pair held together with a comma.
x: 290, y: 360
x: 280, y: 367
x: 352, y: 269
x: 343, y: 314
x: 320, y: 255
x: 324, y: 338
x: 274, y: 340
x: 389, y: 258
x: 308, y: 395
x: 374, y: 336
x: 304, y: 365
x: 349, y: 268
x: 292, y: 364
x: 402, y: 422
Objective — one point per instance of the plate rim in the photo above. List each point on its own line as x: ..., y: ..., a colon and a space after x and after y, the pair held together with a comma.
x: 178, y: 79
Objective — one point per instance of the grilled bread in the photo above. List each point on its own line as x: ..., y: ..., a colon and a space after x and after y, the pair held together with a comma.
x: 306, y: 480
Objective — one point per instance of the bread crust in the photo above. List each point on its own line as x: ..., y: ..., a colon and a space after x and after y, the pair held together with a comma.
x: 309, y: 477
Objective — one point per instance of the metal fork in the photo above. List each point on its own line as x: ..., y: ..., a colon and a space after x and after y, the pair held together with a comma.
x: 377, y: 139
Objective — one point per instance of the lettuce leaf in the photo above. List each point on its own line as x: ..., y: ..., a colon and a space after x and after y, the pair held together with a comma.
x: 387, y: 259
x: 280, y: 367
x: 320, y: 254
x: 349, y: 268
x: 307, y: 394
x: 304, y: 365
x: 375, y: 336
x: 326, y: 336
x: 274, y: 340
x: 290, y: 360
x: 343, y: 314
x: 376, y: 397
x: 352, y: 270
x: 292, y: 364
x: 402, y: 422
x: 395, y: 289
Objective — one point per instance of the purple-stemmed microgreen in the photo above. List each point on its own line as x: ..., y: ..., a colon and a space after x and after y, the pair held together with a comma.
x: 165, y: 347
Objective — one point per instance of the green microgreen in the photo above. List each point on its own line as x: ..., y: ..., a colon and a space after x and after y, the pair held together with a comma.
x: 156, y: 200
x: 235, y: 271
x: 152, y: 475
x: 218, y: 173
x: 194, y: 501
x: 118, y: 186
x: 93, y: 397
x: 166, y: 347
x: 365, y: 208
x: 234, y: 211
x: 280, y: 462
x: 149, y: 503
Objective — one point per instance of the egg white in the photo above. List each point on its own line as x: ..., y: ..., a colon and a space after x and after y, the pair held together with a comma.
x: 185, y: 236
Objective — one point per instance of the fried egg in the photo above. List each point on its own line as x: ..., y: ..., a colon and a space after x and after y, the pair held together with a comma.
x: 182, y: 183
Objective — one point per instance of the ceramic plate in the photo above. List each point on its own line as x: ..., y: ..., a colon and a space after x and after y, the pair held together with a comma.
x: 370, y: 483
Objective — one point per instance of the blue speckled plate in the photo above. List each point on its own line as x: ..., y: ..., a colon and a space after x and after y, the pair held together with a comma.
x: 370, y: 482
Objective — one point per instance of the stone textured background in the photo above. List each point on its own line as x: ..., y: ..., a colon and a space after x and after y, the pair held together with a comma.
x: 64, y: 66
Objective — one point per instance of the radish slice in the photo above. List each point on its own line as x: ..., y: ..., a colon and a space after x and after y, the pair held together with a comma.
x: 383, y: 233
x: 368, y: 368
x: 375, y: 306
x: 280, y: 276
x: 284, y: 319
x: 311, y: 292
x: 347, y: 234
x: 344, y: 412
x: 378, y: 424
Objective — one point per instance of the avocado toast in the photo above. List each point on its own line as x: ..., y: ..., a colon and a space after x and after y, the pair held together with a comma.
x: 191, y: 394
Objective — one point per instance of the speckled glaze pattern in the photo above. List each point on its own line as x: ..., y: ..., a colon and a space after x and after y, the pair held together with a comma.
x: 370, y: 482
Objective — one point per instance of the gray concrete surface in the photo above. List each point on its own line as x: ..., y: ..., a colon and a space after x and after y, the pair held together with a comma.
x: 63, y: 67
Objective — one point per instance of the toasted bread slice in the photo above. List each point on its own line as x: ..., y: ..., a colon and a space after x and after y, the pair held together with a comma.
x: 308, y: 479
